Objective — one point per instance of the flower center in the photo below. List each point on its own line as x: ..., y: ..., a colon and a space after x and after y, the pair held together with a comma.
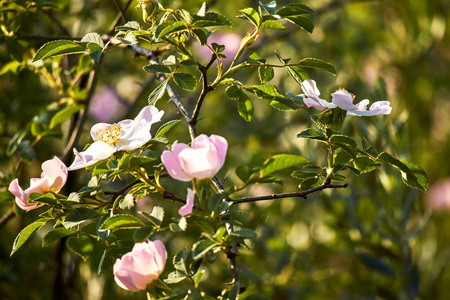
x: 344, y: 90
x: 110, y: 134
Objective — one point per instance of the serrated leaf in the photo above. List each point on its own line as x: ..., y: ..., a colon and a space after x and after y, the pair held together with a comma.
x: 169, y: 27
x: 337, y: 138
x: 175, y: 277
x: 294, y: 9
x: 165, y: 128
x: 245, y: 107
x: 121, y: 221
x: 280, y: 162
x: 311, y: 133
x: 412, y: 175
x: 365, y: 164
x: 154, y: 68
x: 302, y: 22
x: 156, y: 216
x: 265, y: 73
x: 186, y: 81
x: 233, y: 92
x: 59, y: 47
x: 317, y: 64
x: 246, y: 233
x: 269, y: 7
x: 142, y: 234
x: 211, y: 19
x: 272, y: 24
x: 297, y: 74
x: 131, y: 25
x: 127, y: 202
x: 303, y: 175
x: 55, y: 234
x: 311, y: 183
x: 64, y: 114
x: 94, y: 37
x: 157, y: 93
x: 201, y: 34
x: 78, y: 216
x: 81, y: 246
x: 252, y: 15
x: 27, y: 232
x: 201, y: 248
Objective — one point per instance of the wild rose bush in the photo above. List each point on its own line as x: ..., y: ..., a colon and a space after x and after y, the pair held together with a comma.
x: 134, y: 159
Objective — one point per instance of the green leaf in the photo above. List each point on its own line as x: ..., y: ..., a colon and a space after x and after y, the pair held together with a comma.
x: 93, y: 37
x: 201, y: 34
x: 81, y: 246
x: 142, y: 234
x: 131, y: 25
x: 165, y: 128
x: 233, y: 92
x: 337, y: 138
x: 269, y: 7
x: 272, y: 24
x: 129, y: 39
x: 252, y: 15
x: 157, y: 93
x: 365, y: 164
x: 55, y: 234
x: 201, y: 248
x: 297, y: 73
x: 64, y: 114
x: 245, y: 107
x: 243, y: 173
x: 186, y: 81
x: 78, y: 216
x: 317, y: 64
x: 59, y: 47
x: 412, y: 175
x: 154, y: 68
x: 47, y: 198
x: 311, y: 133
x: 377, y: 264
x: 294, y: 9
x: 211, y: 19
x: 121, y: 221
x: 169, y: 27
x: 27, y: 232
x: 175, y: 277
x: 280, y: 162
x: 265, y: 73
x: 246, y: 233
x: 156, y: 216
x: 304, y: 175
x: 311, y: 183
x: 302, y: 22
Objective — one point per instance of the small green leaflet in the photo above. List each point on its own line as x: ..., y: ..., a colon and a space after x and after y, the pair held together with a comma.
x: 59, y: 47
x: 317, y: 64
x: 26, y: 233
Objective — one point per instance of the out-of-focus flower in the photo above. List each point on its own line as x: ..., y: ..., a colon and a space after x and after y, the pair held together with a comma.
x: 109, y: 138
x: 437, y: 197
x: 344, y: 100
x: 200, y: 161
x: 104, y: 104
x: 231, y: 41
x: 310, y: 89
x: 144, y: 264
x: 53, y: 178
x: 187, y: 208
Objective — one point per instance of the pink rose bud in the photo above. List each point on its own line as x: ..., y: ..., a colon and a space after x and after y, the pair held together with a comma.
x: 53, y: 178
x: 200, y: 161
x: 138, y: 268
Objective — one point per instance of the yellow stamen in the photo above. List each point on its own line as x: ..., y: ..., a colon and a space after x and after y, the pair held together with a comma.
x: 110, y: 134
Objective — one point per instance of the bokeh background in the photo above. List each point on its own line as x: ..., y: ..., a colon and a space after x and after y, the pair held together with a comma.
x: 377, y: 239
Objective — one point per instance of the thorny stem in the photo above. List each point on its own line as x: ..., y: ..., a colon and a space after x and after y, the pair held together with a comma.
x: 301, y: 194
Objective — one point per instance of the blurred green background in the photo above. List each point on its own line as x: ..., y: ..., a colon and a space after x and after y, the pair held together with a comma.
x: 377, y: 239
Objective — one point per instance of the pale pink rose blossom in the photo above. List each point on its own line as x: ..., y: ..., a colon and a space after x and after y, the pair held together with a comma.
x: 200, y: 161
x: 138, y: 268
x: 53, y: 178
x: 110, y: 138
x: 105, y: 104
x: 188, y: 207
x: 312, y: 93
x: 437, y: 197
x: 343, y: 100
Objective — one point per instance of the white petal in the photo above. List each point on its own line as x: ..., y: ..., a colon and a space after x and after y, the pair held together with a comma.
x: 96, y: 151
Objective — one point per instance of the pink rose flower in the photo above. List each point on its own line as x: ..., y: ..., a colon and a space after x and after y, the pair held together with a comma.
x: 110, y: 138
x: 187, y: 208
x: 343, y: 100
x: 144, y: 264
x: 200, y: 161
x: 53, y: 178
x: 105, y: 104
x: 437, y: 198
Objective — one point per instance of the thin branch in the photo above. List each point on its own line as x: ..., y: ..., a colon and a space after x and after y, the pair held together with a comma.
x: 120, y: 15
x: 122, y: 189
x: 205, y: 90
x: 301, y: 194
x: 169, y: 195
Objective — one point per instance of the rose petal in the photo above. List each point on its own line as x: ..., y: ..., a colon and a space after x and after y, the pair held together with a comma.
x: 200, y: 163
x: 344, y: 100
x: 172, y: 163
x: 56, y: 173
x: 187, y: 208
x: 96, y: 151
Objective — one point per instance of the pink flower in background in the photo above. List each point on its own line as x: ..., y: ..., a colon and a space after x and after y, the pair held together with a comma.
x: 344, y: 100
x: 187, y: 208
x: 312, y: 93
x: 437, y: 198
x: 144, y: 264
x: 231, y: 41
x: 200, y: 161
x: 53, y: 178
x: 104, y: 104
x: 110, y: 138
